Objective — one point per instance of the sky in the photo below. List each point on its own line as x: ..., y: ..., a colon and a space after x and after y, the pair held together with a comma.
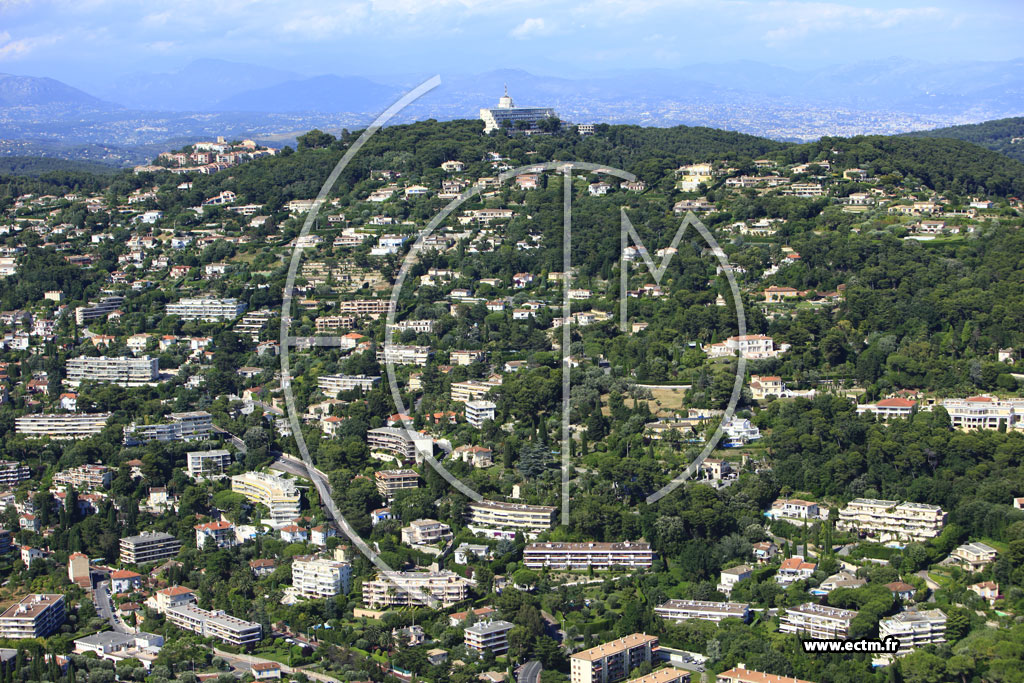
x: 89, y: 41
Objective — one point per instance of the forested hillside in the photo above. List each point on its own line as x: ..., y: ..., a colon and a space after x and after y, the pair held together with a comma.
x: 996, y: 135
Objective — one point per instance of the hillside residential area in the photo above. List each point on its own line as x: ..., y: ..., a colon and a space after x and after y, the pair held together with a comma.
x: 250, y: 435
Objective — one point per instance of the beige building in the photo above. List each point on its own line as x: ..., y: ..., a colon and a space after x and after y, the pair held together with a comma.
x: 612, y: 661
x: 741, y: 674
x: 390, y: 482
x: 395, y: 589
x: 985, y: 412
x: 426, y: 532
x: 681, y: 610
x: 279, y: 495
x: 890, y: 520
x: 149, y: 546
x: 502, y: 520
x: 319, y: 577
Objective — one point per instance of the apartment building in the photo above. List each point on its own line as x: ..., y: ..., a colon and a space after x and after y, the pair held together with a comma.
x: 279, y: 495
x: 405, y: 443
x: 219, y: 534
x: 319, y: 577
x: 890, y: 520
x: 390, y: 482
x: 612, y: 661
x: 488, y: 636
x: 818, y: 621
x: 479, y: 412
x: 985, y: 412
x: 749, y: 346
x: 215, y: 624
x: 333, y: 384
x: 84, y: 477
x: 396, y: 589
x: 149, y: 546
x: 123, y: 371
x: 335, y: 323
x: 472, y: 390
x: 599, y: 556
x: 426, y: 532
x: 34, y: 616
x: 169, y: 598
x: 680, y: 610
x: 498, y: 519
x: 206, y: 463
x: 404, y: 355
x: 741, y: 674
x: 190, y: 426
x: 364, y: 307
x: 914, y: 629
x: 209, y: 310
x: 61, y: 425
x: 13, y: 473
x: 100, y: 309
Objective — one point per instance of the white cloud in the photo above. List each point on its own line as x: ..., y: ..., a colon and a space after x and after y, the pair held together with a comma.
x: 531, y: 28
x: 793, y: 20
x: 15, y: 49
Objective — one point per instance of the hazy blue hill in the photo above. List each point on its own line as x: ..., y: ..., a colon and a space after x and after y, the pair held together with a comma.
x: 197, y: 86
x: 320, y: 93
x: 995, y: 135
x: 31, y: 91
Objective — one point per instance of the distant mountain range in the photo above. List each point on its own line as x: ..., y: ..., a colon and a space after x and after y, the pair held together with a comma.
x: 210, y: 97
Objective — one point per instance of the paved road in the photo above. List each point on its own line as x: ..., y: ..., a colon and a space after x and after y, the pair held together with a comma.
x: 529, y: 672
x: 105, y: 608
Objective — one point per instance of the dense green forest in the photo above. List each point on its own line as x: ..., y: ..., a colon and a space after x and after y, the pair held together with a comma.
x: 996, y: 135
x: 41, y: 166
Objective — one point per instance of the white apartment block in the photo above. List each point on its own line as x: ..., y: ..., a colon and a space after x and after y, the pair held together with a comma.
x: 12, y: 473
x: 101, y: 309
x: 890, y: 520
x: 749, y: 346
x: 61, y: 425
x: 818, y: 621
x: 681, y: 610
x: 426, y: 532
x: 404, y: 355
x: 612, y: 661
x: 35, y: 616
x: 210, y: 310
x: 331, y: 385
x: 599, y: 556
x: 205, y: 463
x: 84, y: 477
x: 149, y: 546
x: 418, y: 326
x: 279, y: 495
x: 318, y: 577
x: 479, y: 412
x: 395, y: 589
x: 498, y: 519
x: 124, y: 371
x: 914, y: 629
x: 985, y: 412
x: 404, y: 443
x: 488, y: 636
x: 215, y: 624
x: 190, y: 426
